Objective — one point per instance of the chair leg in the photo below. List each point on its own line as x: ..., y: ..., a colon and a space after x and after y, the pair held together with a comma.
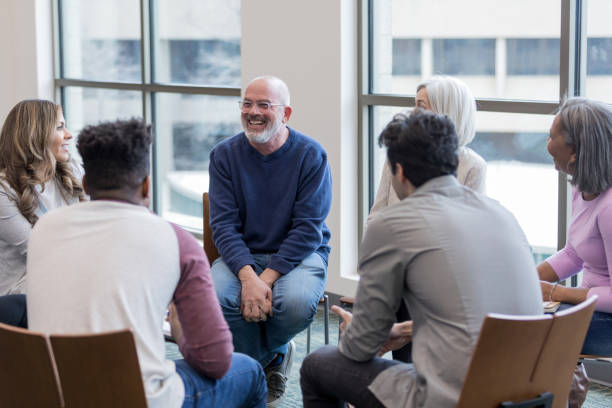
x: 326, y: 317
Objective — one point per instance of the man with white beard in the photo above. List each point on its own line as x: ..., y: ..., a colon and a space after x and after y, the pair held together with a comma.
x: 270, y: 192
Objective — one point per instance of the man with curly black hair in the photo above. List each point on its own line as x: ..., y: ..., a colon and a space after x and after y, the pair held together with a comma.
x: 111, y: 264
x: 452, y: 254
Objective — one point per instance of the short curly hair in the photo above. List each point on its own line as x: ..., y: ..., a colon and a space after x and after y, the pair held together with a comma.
x: 115, y: 154
x: 424, y: 144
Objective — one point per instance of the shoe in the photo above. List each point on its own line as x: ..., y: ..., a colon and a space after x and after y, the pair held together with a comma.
x: 276, y: 377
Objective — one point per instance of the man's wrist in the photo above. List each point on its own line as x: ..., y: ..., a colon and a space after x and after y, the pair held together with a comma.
x: 246, y: 273
x: 269, y: 276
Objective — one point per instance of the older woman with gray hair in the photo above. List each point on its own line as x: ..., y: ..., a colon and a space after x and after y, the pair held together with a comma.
x: 447, y: 96
x: 580, y: 144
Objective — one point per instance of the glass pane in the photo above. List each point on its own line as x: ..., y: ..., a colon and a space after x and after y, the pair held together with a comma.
x: 187, y: 128
x: 520, y: 172
x: 599, y: 50
x: 101, y: 40
x: 88, y: 106
x: 497, y: 48
x: 198, y: 42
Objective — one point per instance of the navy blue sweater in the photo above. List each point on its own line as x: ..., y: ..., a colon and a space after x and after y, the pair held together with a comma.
x: 274, y: 204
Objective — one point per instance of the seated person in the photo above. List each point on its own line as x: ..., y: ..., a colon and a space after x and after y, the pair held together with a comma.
x: 36, y: 176
x: 449, y: 96
x: 580, y: 143
x: 270, y: 192
x: 110, y: 264
x: 452, y: 254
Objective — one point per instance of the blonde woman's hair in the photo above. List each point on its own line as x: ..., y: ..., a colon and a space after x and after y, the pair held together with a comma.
x: 26, y: 159
x: 452, y: 97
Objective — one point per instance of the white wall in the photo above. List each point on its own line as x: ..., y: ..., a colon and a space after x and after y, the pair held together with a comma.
x: 26, y: 41
x: 312, y: 46
x: 314, y: 52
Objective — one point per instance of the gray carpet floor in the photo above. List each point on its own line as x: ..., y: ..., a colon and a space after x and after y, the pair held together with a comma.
x: 599, y: 396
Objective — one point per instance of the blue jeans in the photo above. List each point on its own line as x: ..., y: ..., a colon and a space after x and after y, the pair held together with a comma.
x: 244, y: 385
x: 598, y: 341
x: 13, y: 310
x: 295, y: 297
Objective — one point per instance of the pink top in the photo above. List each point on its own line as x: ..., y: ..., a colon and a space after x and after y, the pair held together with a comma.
x: 589, y: 247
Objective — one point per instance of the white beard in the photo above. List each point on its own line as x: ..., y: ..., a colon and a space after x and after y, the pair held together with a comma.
x: 265, y: 135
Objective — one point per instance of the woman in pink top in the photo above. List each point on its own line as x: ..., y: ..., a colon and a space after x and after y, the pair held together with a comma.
x: 580, y: 143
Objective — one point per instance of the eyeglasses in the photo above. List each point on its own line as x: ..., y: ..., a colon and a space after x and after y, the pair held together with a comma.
x: 262, y: 106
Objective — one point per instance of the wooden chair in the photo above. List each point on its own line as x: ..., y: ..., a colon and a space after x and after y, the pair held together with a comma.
x: 27, y: 374
x: 212, y: 253
x: 520, y: 358
x: 209, y: 244
x: 99, y: 370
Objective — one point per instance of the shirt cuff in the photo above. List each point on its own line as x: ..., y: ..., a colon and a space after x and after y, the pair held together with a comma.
x: 280, y: 265
x: 237, y: 263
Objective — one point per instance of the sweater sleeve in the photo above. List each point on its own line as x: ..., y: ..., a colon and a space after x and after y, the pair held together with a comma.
x: 566, y: 262
x: 207, y: 341
x: 604, y: 303
x: 310, y: 210
x: 225, y: 217
x: 14, y: 228
x: 477, y: 176
x: 385, y: 190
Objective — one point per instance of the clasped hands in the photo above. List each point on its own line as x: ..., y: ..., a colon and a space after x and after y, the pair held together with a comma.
x: 256, y: 293
x: 399, y: 335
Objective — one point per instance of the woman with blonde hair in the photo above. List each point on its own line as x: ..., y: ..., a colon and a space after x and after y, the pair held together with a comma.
x: 37, y: 175
x: 451, y: 97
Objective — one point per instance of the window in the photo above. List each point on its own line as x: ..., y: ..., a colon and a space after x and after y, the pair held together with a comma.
x: 186, y: 83
x: 464, y: 56
x: 513, y: 66
x: 598, y: 51
x: 499, y: 50
x: 599, y: 56
x: 532, y: 56
x: 406, y: 56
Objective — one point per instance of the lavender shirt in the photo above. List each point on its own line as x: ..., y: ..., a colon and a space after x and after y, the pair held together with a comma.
x: 589, y: 247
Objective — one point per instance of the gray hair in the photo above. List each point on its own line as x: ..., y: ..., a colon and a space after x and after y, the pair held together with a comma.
x: 587, y: 125
x: 452, y: 97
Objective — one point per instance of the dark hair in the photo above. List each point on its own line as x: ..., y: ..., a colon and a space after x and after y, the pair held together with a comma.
x: 424, y: 144
x: 115, y: 154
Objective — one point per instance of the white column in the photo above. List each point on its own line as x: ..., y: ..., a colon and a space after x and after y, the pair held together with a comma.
x: 25, y: 42
x: 426, y: 58
x: 500, y: 66
x: 312, y: 46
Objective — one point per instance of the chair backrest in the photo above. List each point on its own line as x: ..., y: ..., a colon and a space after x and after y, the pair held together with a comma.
x: 520, y: 357
x: 209, y: 244
x: 99, y: 370
x: 27, y: 376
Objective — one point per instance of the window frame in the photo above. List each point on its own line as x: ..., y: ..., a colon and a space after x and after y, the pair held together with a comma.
x: 572, y: 75
x: 146, y: 86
